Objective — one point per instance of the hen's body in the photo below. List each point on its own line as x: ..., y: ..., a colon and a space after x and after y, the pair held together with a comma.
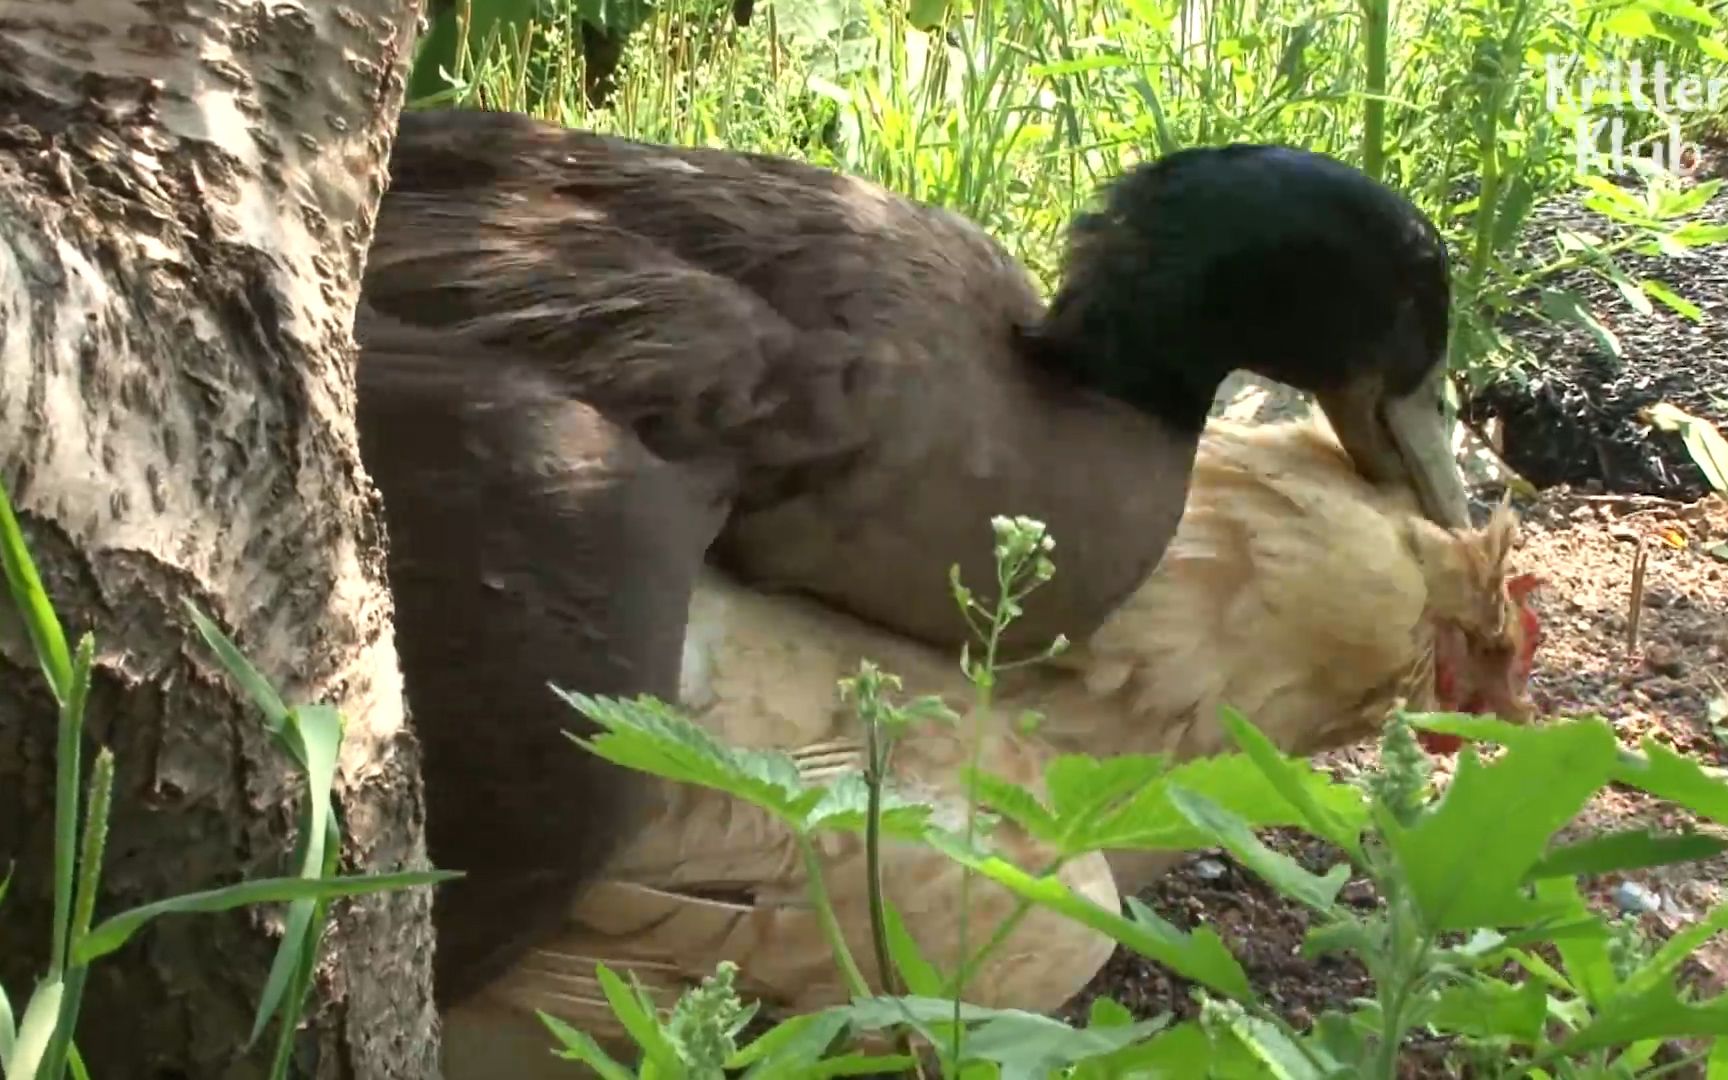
x: 1293, y: 591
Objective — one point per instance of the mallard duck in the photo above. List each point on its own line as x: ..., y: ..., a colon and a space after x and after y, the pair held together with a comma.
x: 593, y: 367
x: 1294, y: 590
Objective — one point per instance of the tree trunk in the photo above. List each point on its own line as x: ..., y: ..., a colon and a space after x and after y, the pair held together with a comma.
x: 187, y: 192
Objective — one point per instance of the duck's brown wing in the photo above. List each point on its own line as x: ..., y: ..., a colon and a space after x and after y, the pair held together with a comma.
x: 848, y: 354
x: 531, y: 541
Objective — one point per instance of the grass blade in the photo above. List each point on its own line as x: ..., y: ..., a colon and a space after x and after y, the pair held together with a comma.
x: 41, y: 1017
x: 66, y: 786
x: 118, y: 930
x: 242, y: 671
x: 40, y: 621
x: 316, y: 731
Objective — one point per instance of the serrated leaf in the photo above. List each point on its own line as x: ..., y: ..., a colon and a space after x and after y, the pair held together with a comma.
x: 1233, y: 781
x: 1279, y: 870
x: 844, y: 806
x: 1295, y: 783
x: 1083, y: 789
x: 1200, y: 957
x: 1483, y: 1007
x: 1004, y: 797
x: 1666, y: 774
x: 650, y: 736
x: 1632, y: 849
x: 114, y: 932
x: 1464, y: 862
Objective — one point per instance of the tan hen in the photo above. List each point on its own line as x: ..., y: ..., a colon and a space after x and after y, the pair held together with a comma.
x: 1294, y: 591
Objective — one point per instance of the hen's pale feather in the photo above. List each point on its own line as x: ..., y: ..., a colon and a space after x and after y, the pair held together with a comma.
x: 1294, y: 591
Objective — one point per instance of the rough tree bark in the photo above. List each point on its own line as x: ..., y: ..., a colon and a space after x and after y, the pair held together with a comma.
x: 187, y: 191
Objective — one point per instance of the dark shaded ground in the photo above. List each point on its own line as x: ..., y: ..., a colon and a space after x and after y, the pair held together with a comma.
x: 1573, y: 416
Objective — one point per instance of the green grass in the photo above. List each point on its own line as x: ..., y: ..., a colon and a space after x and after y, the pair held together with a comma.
x: 1012, y: 111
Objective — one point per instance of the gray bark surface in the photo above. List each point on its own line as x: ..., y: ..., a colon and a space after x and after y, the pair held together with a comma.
x: 187, y: 191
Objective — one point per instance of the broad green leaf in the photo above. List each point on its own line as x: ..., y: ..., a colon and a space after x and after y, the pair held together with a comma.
x: 1590, y: 969
x: 1344, y: 935
x: 1296, y: 782
x: 1107, y: 1012
x: 1278, y: 869
x: 241, y: 671
x: 1200, y: 956
x: 1667, y: 774
x: 850, y: 1065
x: 1026, y: 1045
x: 1030, y: 1047
x: 1004, y: 797
x: 1656, y: 1012
x: 31, y: 600
x: 1183, y: 1052
x: 799, y: 1039
x: 926, y: 14
x: 1234, y: 782
x: 114, y: 932
x: 652, y: 737
x: 1629, y: 850
x: 316, y: 733
x: 1344, y: 1037
x: 36, y: 1030
x: 1483, y: 1007
x: 1082, y: 788
x: 1685, y: 10
x: 1717, y: 1066
x: 1464, y: 862
x: 580, y: 1047
x: 1282, y: 1057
